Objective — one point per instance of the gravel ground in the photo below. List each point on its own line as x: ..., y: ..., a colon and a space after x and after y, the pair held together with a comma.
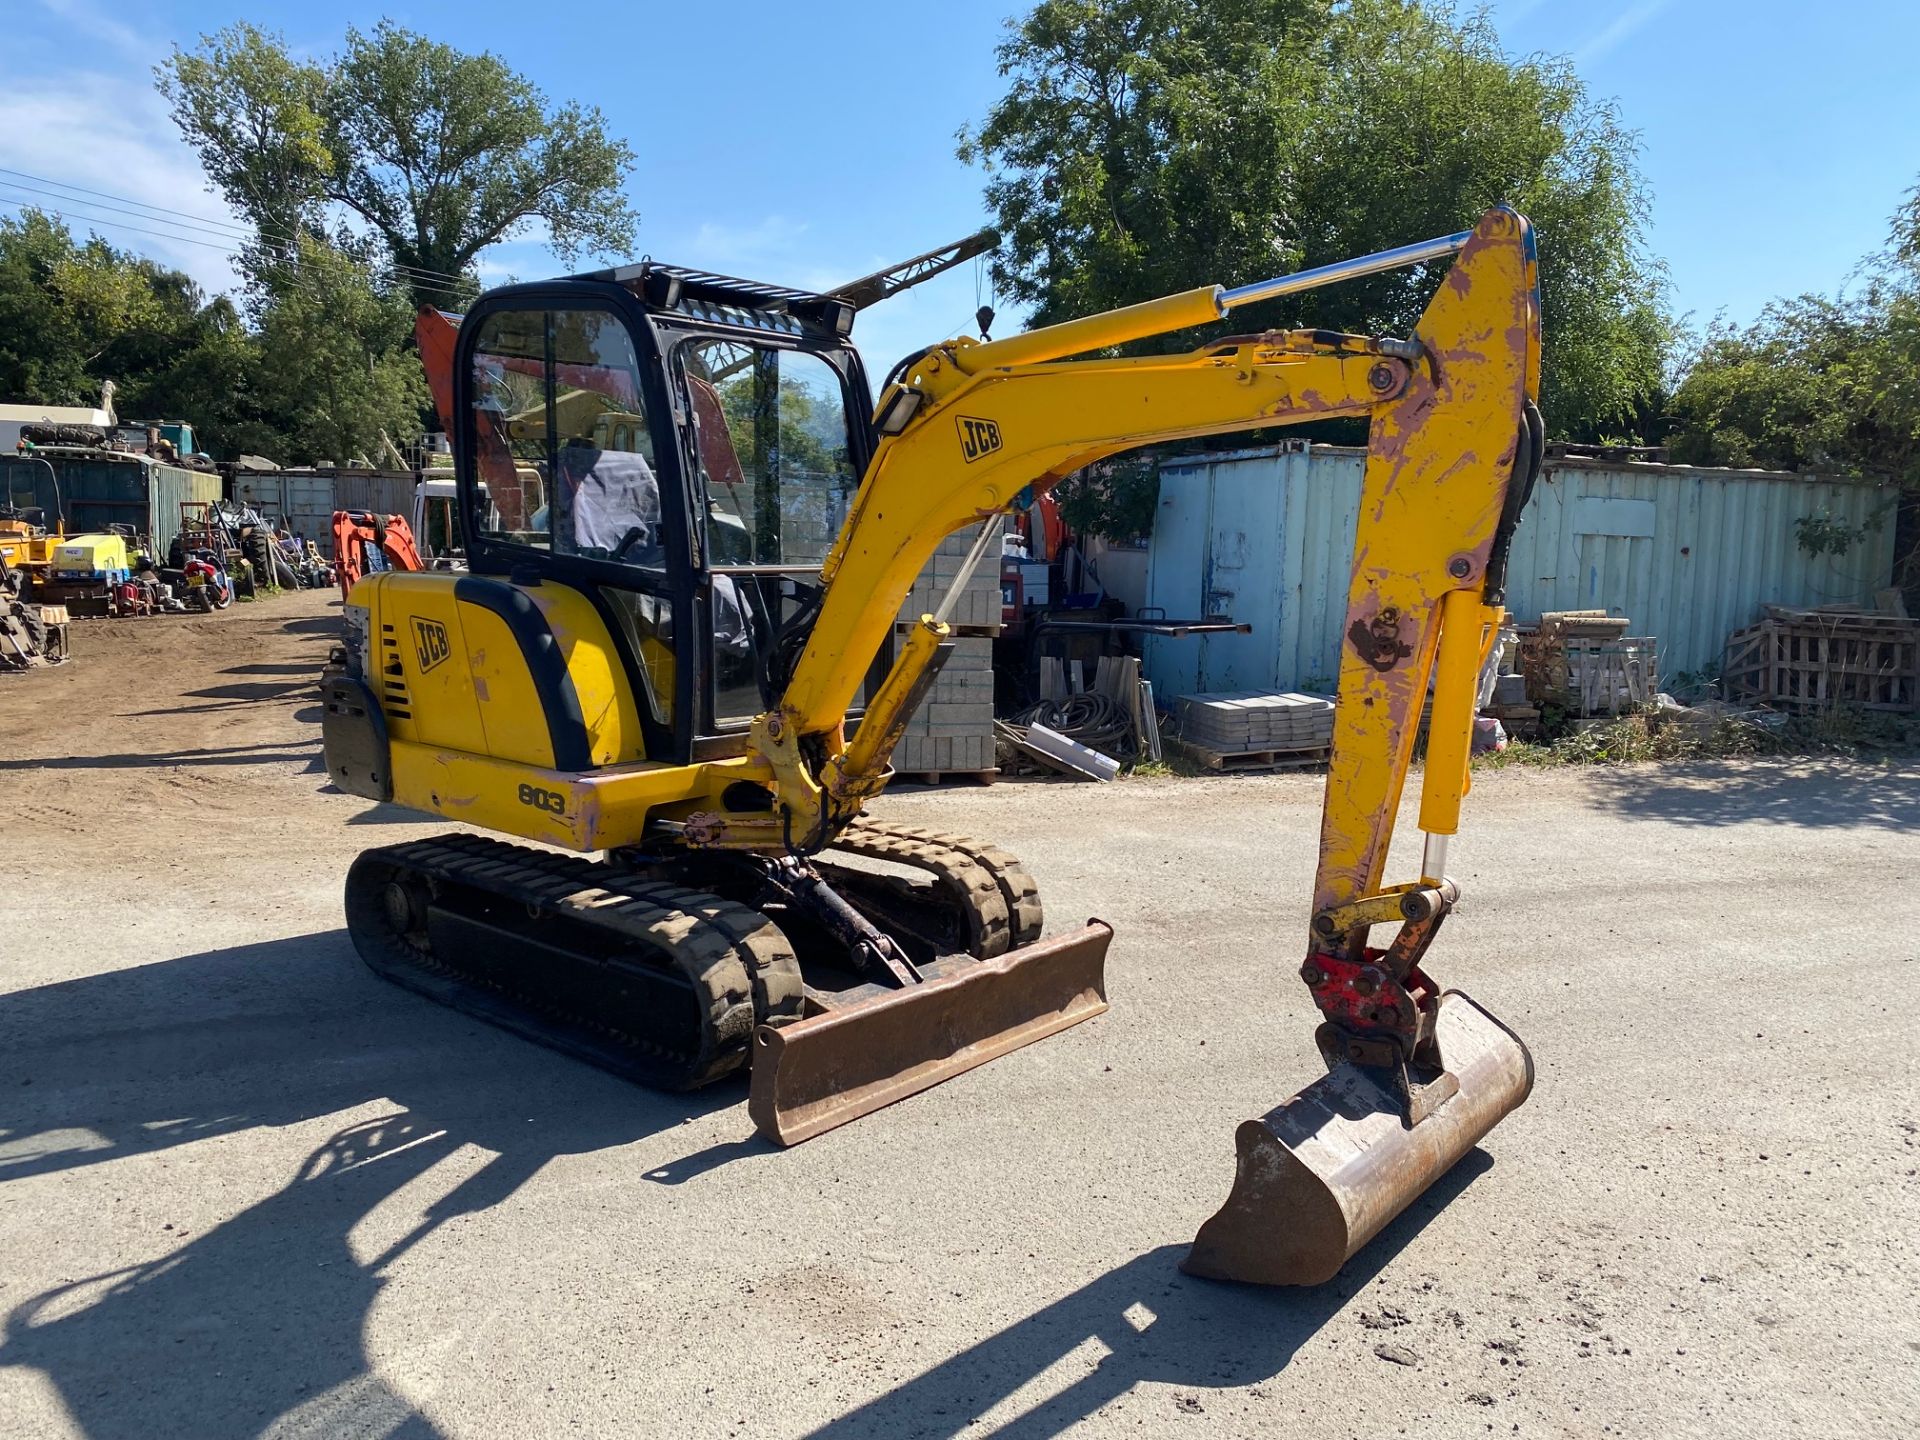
x: 247, y: 1189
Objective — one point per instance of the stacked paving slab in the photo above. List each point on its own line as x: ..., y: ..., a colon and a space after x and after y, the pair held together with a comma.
x: 1246, y: 721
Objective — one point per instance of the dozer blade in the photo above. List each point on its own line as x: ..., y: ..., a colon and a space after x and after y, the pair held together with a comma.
x: 1322, y: 1175
x: 814, y: 1074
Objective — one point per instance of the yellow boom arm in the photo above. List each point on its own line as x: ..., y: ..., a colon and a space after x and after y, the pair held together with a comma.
x: 972, y: 424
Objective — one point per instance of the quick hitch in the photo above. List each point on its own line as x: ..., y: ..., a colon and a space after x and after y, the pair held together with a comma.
x: 1380, y: 1006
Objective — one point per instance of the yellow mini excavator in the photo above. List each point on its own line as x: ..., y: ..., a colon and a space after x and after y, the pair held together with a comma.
x: 690, y: 532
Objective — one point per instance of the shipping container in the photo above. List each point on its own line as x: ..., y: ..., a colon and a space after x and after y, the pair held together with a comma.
x: 382, y: 492
x: 168, y: 487
x: 99, y: 488
x: 305, y: 499
x: 1686, y: 554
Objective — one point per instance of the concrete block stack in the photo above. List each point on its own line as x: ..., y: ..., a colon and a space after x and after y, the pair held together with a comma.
x: 952, y: 732
x: 1256, y: 729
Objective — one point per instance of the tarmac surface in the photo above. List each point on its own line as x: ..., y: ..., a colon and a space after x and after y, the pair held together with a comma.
x: 248, y: 1189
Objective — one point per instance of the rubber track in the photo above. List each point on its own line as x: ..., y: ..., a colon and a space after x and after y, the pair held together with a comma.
x: 1002, y: 901
x: 738, y: 957
x: 1017, y: 886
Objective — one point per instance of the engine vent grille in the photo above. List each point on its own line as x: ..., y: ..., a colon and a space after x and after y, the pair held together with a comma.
x: 394, y: 698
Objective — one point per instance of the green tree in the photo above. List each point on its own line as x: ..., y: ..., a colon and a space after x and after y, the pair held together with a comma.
x: 1148, y: 146
x: 75, y: 314
x: 63, y: 306
x: 334, y: 366
x: 1816, y: 383
x: 436, y: 152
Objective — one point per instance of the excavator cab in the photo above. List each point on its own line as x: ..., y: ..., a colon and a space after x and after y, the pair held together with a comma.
x: 681, y: 449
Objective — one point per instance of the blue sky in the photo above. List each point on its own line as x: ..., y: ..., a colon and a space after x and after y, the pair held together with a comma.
x: 810, y: 142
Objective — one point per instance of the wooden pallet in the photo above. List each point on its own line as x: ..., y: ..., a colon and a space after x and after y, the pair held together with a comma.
x: 1590, y: 677
x: 1257, y: 761
x: 948, y: 777
x: 1814, y: 660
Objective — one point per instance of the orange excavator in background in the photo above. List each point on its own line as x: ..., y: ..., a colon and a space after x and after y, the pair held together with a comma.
x: 365, y: 544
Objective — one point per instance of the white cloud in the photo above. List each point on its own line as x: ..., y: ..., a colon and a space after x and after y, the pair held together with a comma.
x: 109, y: 131
x: 764, y: 246
x: 88, y: 23
x: 1618, y: 31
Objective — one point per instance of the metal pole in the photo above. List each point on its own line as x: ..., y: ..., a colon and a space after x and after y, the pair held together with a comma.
x: 1416, y: 254
x: 967, y: 567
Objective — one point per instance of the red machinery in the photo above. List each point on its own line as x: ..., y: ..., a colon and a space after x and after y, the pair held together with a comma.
x: 364, y: 542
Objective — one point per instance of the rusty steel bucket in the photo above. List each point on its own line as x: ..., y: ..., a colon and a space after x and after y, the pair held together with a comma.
x: 1322, y: 1175
x: 820, y: 1072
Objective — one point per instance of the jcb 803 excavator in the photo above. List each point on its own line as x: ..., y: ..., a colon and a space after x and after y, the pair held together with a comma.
x: 689, y: 533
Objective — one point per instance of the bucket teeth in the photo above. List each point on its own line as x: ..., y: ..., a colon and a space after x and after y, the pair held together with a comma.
x: 1322, y: 1175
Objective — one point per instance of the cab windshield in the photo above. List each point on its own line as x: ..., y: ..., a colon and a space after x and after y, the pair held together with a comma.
x: 561, y: 438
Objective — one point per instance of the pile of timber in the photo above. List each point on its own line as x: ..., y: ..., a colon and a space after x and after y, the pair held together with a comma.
x: 1257, y: 729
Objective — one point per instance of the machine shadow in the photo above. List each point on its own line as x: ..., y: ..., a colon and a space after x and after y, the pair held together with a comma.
x: 1804, y: 793
x: 1156, y: 1324
x: 315, y: 624
x: 255, y: 690
x: 257, y: 1323
x: 384, y: 812
x: 308, y: 672
x: 266, y: 752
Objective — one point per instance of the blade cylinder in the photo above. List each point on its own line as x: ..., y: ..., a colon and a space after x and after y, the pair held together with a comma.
x: 1323, y: 1174
x: 817, y: 1073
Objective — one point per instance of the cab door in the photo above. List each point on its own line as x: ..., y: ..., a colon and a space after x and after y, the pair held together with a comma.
x: 776, y: 445
x: 570, y: 474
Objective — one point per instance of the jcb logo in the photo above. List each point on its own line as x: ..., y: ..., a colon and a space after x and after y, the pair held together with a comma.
x: 977, y: 437
x: 430, y: 643
x: 551, y: 801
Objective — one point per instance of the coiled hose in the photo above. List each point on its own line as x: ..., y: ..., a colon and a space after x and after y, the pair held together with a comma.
x: 1096, y: 721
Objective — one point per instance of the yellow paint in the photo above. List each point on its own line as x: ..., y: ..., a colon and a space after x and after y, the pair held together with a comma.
x: 858, y: 771
x: 1052, y: 419
x: 579, y: 810
x: 1463, y: 621
x: 1186, y: 311
x: 606, y: 698
x: 478, y: 697
x: 1437, y: 467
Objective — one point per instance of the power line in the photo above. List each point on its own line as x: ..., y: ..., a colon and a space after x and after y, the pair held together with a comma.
x: 224, y: 234
x: 107, y: 195
x: 25, y: 205
x: 159, y: 214
x: 466, y: 292
x: 169, y: 217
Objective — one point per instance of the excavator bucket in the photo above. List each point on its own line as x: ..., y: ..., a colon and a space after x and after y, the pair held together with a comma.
x: 1322, y: 1175
x: 827, y: 1069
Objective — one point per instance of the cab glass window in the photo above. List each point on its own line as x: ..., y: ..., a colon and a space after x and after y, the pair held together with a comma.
x: 776, y: 474
x: 563, y: 454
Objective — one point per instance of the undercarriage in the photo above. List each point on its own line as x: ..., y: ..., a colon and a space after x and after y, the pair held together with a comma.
x: 660, y: 968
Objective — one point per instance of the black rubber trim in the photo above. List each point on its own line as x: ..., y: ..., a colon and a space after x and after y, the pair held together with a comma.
x: 353, y: 736
x: 566, y: 727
